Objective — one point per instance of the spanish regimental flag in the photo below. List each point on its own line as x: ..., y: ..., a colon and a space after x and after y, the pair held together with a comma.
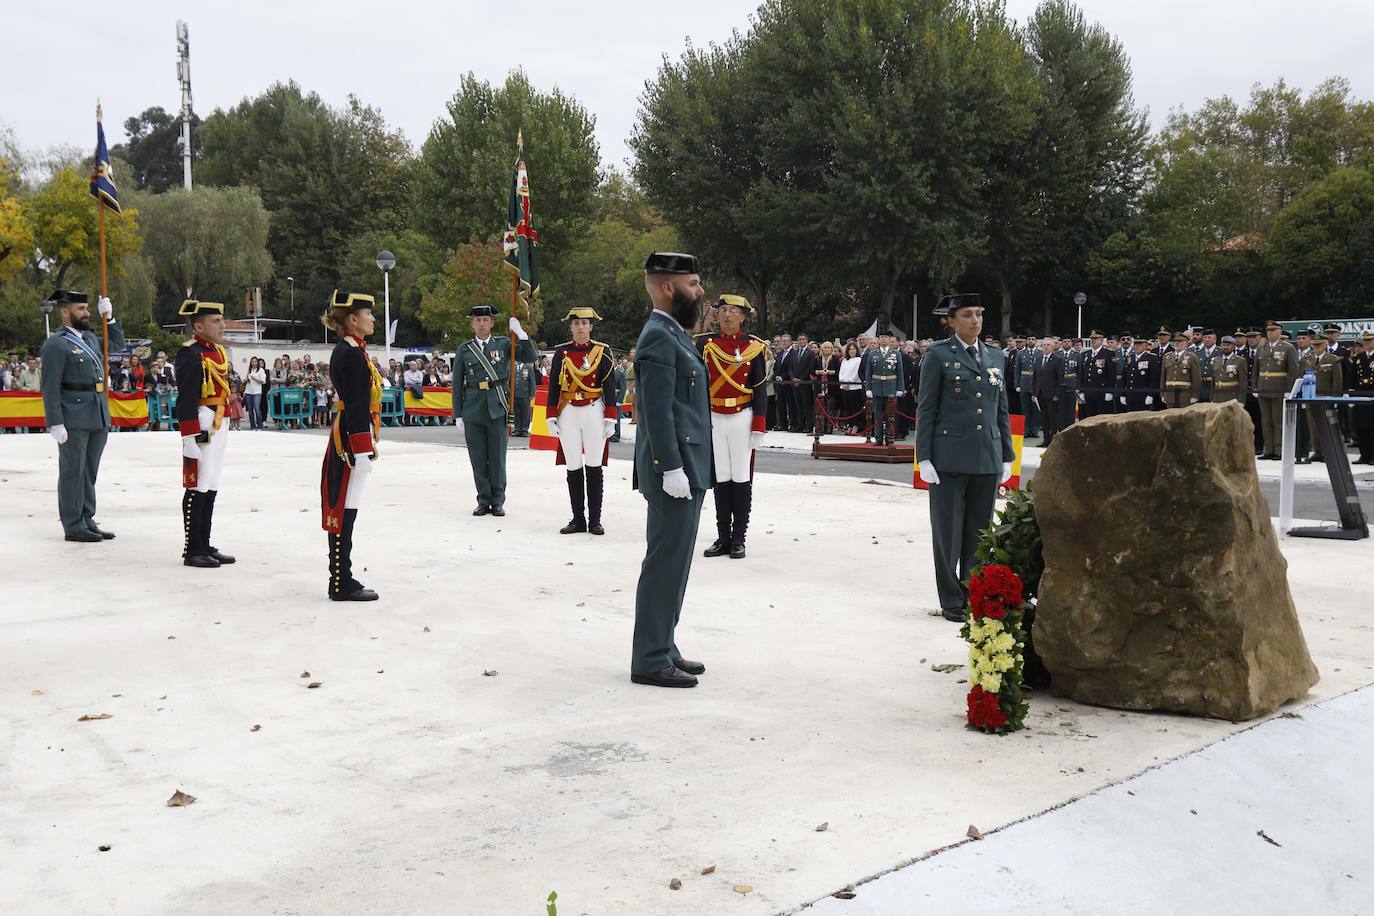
x: 102, y: 179
x: 521, y: 242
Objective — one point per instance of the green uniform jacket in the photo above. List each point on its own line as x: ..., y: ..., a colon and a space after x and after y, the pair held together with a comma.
x: 1230, y: 378
x: 66, y: 363
x: 476, y: 399
x: 1276, y: 368
x: 883, y: 373
x: 1073, y: 360
x: 672, y: 405
x: 1180, y: 379
x: 962, y: 422
x: 1329, y: 370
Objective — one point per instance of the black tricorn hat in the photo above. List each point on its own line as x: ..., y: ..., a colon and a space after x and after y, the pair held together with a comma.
x: 480, y: 311
x: 670, y: 262
x: 956, y: 301
x: 192, y: 307
x: 68, y: 297
x: 351, y: 301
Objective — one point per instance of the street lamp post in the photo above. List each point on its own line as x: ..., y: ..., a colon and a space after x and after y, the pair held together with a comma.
x: 386, y: 260
x: 1080, y: 300
x: 46, y: 308
x: 292, y: 281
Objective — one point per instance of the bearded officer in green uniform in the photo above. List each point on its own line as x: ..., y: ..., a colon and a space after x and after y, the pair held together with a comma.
x: 963, y: 443
x: 672, y: 464
x: 481, y: 403
x: 76, y: 409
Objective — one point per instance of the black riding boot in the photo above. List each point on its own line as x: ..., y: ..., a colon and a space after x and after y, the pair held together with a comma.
x: 575, y: 496
x: 723, y: 491
x: 223, y: 558
x: 596, y: 487
x: 342, y: 585
x: 742, y: 501
x: 197, y: 549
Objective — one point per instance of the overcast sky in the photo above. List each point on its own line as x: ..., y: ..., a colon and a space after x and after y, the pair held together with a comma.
x: 406, y: 56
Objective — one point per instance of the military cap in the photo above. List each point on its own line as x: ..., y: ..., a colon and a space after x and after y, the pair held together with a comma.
x: 1180, y: 336
x: 351, y: 301
x: 582, y: 311
x: 68, y: 297
x: 1095, y: 334
x: 1212, y: 331
x: 192, y: 307
x: 1241, y: 332
x: 1271, y: 325
x: 1163, y: 332
x: 1228, y: 339
x: 1286, y: 336
x: 951, y: 304
x: 1143, y: 340
x: 670, y: 262
x: 738, y: 301
x: 1367, y: 335
x: 1304, y: 332
x: 1254, y: 331
x: 482, y: 311
x: 1332, y: 326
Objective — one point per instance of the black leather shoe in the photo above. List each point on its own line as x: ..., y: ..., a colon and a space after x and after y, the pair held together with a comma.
x: 84, y: 535
x: 481, y: 510
x: 955, y: 614
x: 224, y: 558
x: 358, y: 594
x: 1319, y: 458
x: 104, y: 535
x: 718, y: 549
x: 690, y: 667
x: 203, y: 561
x: 498, y: 511
x: 576, y: 526
x: 737, y: 551
x: 596, y: 529
x: 668, y: 677
x: 1302, y: 461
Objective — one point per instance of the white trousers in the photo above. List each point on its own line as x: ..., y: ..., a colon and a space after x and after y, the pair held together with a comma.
x: 730, y: 444
x: 357, y: 486
x: 581, y: 430
x: 211, y: 462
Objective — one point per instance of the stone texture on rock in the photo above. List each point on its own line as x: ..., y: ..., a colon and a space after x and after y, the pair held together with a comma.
x: 1164, y: 587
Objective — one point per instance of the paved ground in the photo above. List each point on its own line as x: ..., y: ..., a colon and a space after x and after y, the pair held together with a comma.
x: 409, y: 782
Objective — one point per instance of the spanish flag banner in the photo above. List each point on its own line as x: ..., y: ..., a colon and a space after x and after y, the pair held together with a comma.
x: 540, y: 438
x: 128, y: 409
x: 437, y: 402
x: 1018, y: 436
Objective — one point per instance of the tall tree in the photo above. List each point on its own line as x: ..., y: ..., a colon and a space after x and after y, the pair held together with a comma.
x: 474, y: 274
x: 1322, y: 244
x: 208, y: 243
x: 418, y: 263
x: 63, y: 217
x: 153, y: 149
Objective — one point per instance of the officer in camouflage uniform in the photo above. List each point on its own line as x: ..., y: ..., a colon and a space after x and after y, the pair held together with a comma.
x: 1230, y: 374
x: 1276, y: 368
x: 76, y: 409
x: 1180, y: 375
x: 1328, y: 369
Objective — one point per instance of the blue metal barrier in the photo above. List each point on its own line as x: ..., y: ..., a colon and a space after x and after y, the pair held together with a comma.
x: 393, y: 406
x: 290, y: 406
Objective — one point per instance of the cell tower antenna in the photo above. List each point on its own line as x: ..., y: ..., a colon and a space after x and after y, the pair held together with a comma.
x: 184, y: 77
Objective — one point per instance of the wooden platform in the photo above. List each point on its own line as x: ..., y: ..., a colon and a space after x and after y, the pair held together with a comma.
x: 890, y: 454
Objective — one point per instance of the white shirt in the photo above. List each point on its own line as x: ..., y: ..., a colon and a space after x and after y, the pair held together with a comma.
x: 849, y: 372
x: 256, y: 379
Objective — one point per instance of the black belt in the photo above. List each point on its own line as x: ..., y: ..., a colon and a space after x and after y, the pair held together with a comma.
x: 74, y: 386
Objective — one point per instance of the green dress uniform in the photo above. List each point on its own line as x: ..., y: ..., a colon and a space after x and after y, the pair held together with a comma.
x: 884, y: 376
x: 1205, y: 356
x: 1276, y: 368
x: 1329, y: 370
x: 74, y: 386
x: 1362, y: 385
x: 1068, y: 409
x: 480, y: 381
x: 674, y: 416
x: 963, y: 429
x: 526, y: 382
x: 1230, y: 378
x: 1180, y: 379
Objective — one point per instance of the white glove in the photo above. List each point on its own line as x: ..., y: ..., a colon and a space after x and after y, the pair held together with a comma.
x: 929, y: 474
x: 552, y: 424
x: 458, y: 422
x: 900, y: 393
x: 756, y: 440
x: 59, y: 432
x: 516, y: 329
x: 676, y: 485
x: 1149, y: 400
x: 1192, y: 400
x: 1082, y: 398
x: 868, y: 394
x: 607, y: 429
x: 189, y: 448
x: 362, y: 464
x: 105, y: 308
x: 1006, y: 472
x: 1109, y: 397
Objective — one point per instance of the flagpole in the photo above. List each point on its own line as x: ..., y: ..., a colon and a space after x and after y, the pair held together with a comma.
x: 104, y: 293
x: 510, y: 399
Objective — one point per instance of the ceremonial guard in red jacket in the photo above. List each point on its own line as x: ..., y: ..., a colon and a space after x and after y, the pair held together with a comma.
x: 737, y: 370
x: 352, y: 447
x: 581, y: 410
x: 202, y: 376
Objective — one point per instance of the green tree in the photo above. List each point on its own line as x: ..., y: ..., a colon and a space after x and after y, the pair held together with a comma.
x: 464, y: 172
x: 1322, y: 245
x: 208, y: 243
x: 418, y: 263
x: 153, y: 149
x: 473, y: 274
x: 63, y: 218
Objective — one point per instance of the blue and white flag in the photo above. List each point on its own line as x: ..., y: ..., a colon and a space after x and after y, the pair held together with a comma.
x: 102, y: 179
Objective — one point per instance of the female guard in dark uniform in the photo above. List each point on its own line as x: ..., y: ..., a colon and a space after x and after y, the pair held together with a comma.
x: 352, y: 444
x: 581, y: 413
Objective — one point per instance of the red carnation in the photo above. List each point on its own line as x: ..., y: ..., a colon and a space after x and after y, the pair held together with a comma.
x: 984, y: 710
x: 993, y: 590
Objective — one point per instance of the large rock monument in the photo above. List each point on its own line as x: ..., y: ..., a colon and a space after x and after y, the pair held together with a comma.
x: 1164, y: 587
